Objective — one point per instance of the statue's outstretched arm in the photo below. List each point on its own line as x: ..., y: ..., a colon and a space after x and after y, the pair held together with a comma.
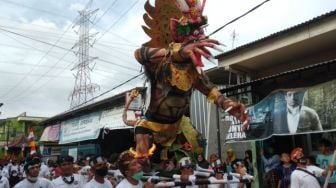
x: 146, y: 55
x: 234, y: 108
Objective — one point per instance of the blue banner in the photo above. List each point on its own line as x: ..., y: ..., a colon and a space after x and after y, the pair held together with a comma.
x: 85, y: 127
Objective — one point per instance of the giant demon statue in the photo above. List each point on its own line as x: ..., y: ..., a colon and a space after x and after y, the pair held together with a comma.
x: 172, y: 63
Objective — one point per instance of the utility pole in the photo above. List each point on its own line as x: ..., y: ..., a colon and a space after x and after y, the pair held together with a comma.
x: 234, y: 36
x: 83, y: 89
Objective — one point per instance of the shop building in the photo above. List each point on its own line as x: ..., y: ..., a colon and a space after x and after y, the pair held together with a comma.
x: 302, y: 56
x: 94, y: 129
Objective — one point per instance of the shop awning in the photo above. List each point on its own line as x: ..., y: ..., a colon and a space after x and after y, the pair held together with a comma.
x: 51, y: 133
x: 18, y: 141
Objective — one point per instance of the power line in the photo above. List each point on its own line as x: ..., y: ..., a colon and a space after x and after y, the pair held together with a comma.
x: 33, y: 8
x: 119, y: 36
x: 230, y: 22
x: 60, y: 47
x: 51, y: 77
x: 111, y: 5
x: 54, y: 45
x: 120, y: 17
x: 49, y: 50
x: 21, y: 74
x: 19, y: 63
x: 115, y: 87
x: 37, y: 40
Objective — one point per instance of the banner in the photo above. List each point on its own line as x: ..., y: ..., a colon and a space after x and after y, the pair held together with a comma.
x: 85, y: 127
x: 112, y: 119
x: 136, y: 103
x: 288, y: 112
x: 50, y: 133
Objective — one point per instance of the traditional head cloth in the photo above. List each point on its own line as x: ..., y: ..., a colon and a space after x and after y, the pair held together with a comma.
x: 296, y: 153
x: 185, y: 162
x: 31, y: 163
x: 124, y: 160
x: 235, y: 164
x: 65, y: 158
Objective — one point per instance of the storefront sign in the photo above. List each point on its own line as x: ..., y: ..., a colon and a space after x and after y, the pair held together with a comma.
x: 85, y: 127
x: 288, y: 112
x: 136, y: 103
x: 112, y: 119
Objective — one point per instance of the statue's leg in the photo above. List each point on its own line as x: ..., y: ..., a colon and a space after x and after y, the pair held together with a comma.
x: 144, y: 142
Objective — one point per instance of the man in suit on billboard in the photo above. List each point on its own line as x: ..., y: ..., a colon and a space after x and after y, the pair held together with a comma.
x: 294, y: 117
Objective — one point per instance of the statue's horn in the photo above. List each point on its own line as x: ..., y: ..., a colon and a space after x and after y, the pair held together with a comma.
x: 151, y: 150
x: 133, y: 152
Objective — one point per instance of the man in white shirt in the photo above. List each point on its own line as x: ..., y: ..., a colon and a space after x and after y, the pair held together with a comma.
x: 67, y: 179
x: 44, y: 171
x: 186, y: 169
x: 305, y: 176
x: 4, y: 171
x: 99, y: 169
x: 4, y: 183
x: 85, y: 170
x: 32, y: 180
x: 132, y: 171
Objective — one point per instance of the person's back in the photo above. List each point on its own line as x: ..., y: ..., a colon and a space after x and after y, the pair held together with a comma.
x: 306, y: 177
x: 324, y: 159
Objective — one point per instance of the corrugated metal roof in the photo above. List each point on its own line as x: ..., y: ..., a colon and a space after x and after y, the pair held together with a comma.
x: 90, y: 107
x: 239, y: 86
x: 279, y: 33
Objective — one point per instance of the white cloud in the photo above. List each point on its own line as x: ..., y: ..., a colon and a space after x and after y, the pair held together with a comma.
x: 76, y: 7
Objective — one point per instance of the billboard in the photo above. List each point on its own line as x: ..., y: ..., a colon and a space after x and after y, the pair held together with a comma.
x: 288, y: 112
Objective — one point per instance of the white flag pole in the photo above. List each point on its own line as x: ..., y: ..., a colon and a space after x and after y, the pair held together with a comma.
x: 332, y: 162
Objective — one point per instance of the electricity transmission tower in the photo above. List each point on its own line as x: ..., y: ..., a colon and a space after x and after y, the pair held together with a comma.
x: 83, y: 89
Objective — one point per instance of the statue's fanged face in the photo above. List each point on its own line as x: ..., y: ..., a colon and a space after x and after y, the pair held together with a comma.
x: 191, y: 25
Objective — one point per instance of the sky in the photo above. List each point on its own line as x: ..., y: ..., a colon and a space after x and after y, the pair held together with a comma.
x: 37, y: 36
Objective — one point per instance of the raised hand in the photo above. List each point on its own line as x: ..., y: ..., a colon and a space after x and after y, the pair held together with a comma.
x: 197, y: 48
x: 237, y: 110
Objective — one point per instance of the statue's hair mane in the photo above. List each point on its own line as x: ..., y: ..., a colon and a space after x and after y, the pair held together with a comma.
x: 157, y: 19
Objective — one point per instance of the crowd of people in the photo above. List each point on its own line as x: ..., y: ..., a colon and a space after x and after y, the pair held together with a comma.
x: 295, y: 170
x: 280, y: 171
x: 120, y: 171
